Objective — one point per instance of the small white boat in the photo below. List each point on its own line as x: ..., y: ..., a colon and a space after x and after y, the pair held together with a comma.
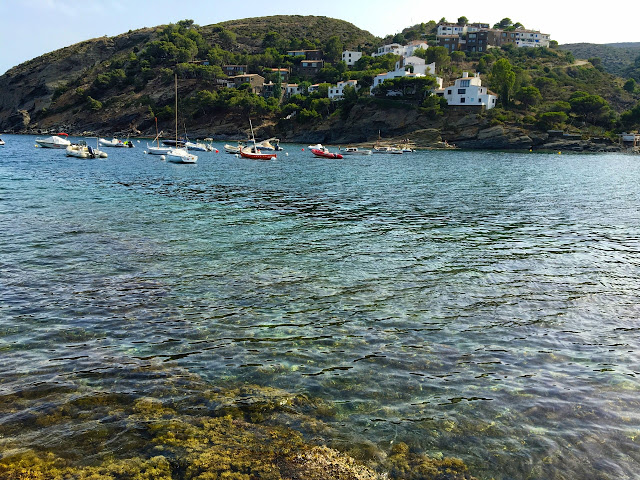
x: 114, y: 142
x: 82, y: 150
x: 158, y: 150
x: 55, y: 141
x: 234, y: 149
x: 197, y: 146
x: 1, y: 142
x: 387, y: 150
x: 109, y: 143
x: 354, y: 151
x: 267, y: 145
x: 181, y: 155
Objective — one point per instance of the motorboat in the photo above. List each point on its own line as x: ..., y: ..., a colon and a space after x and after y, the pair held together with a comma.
x: 197, y: 146
x: 82, y: 150
x: 115, y: 142
x: 354, y: 151
x: 267, y: 145
x: 388, y: 150
x: 56, y: 141
x: 322, y: 151
x: 181, y: 155
x: 234, y: 149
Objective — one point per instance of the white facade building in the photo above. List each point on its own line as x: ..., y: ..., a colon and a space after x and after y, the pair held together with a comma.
x: 531, y: 38
x: 350, y: 57
x: 402, y: 50
x: 468, y: 91
x: 336, y: 92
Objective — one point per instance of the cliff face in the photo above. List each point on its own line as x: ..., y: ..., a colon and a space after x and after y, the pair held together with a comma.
x: 30, y: 88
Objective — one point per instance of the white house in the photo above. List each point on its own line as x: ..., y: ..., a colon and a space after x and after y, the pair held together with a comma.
x: 414, y: 45
x: 293, y: 89
x: 336, y: 92
x: 403, y: 50
x: 468, y: 91
x: 417, y: 64
x: 531, y: 38
x: 350, y: 57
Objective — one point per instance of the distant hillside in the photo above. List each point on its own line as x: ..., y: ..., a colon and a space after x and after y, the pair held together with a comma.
x: 298, y: 29
x: 617, y: 58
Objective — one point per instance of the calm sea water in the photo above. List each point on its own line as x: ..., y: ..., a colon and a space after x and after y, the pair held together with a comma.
x: 472, y: 304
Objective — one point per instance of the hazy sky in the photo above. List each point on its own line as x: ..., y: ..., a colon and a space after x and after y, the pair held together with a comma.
x: 31, y: 28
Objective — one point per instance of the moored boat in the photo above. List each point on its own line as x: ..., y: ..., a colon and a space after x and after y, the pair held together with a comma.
x: 55, y: 141
x: 82, y: 150
x: 254, y: 153
x: 354, y: 151
x: 1, y: 142
x: 181, y: 155
x: 320, y: 150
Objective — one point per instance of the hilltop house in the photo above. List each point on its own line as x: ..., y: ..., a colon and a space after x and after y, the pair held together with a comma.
x: 478, y: 37
x: 468, y: 92
x: 408, y: 67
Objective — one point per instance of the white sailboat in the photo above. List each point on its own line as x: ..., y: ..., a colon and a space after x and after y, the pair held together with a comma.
x: 179, y: 154
x: 157, y: 149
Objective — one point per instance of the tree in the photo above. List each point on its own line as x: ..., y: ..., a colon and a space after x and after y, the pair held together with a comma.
x: 550, y: 120
x: 458, y: 56
x: 333, y: 48
x: 592, y: 108
x: 463, y: 21
x: 503, y: 78
x: 529, y: 96
x: 504, y: 23
x: 630, y: 85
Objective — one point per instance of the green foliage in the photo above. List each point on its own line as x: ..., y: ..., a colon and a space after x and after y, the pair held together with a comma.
x: 592, y: 108
x: 630, y: 85
x: 94, y: 104
x: 552, y: 120
x: 631, y: 118
x: 503, y: 80
x: 434, y: 106
x: 528, y: 96
x: 333, y: 49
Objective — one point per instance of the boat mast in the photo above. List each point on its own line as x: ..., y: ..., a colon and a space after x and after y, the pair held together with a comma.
x: 176, y: 83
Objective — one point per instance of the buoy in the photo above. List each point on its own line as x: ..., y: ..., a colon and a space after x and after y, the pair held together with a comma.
x: 303, y: 149
x: 286, y: 154
x: 162, y: 158
x: 145, y: 152
x: 216, y: 150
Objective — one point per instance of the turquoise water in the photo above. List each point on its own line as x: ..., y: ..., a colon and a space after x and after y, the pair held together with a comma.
x: 471, y: 304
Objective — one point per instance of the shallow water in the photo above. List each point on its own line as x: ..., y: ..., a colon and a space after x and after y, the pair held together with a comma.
x: 472, y: 304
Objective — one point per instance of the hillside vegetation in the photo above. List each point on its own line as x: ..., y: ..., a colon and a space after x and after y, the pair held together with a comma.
x: 621, y: 59
x: 125, y: 83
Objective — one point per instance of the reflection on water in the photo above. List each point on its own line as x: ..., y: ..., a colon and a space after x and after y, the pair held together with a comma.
x: 475, y: 305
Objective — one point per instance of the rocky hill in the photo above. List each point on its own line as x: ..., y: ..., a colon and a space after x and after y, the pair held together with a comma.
x: 617, y: 58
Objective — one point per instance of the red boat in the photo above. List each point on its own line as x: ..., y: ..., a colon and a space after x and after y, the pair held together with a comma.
x: 320, y: 151
x: 255, y: 154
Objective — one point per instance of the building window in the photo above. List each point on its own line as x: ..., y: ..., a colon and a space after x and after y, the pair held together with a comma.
x: 462, y: 100
x: 462, y: 91
x: 448, y: 92
x: 465, y: 83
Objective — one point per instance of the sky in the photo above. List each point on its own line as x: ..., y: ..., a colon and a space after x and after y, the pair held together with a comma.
x: 31, y: 28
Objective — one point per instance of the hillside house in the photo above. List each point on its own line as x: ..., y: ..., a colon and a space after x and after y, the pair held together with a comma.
x: 310, y: 67
x: 350, y: 58
x: 308, y: 54
x: 468, y: 92
x: 336, y: 92
x: 255, y: 81
x: 478, y: 37
x: 233, y: 70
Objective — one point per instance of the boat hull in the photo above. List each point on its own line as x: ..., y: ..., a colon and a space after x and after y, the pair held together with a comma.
x: 323, y: 154
x: 181, y: 156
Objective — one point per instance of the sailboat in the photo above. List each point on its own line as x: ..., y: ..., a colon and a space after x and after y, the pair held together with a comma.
x: 157, y: 149
x: 253, y: 152
x: 179, y: 154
